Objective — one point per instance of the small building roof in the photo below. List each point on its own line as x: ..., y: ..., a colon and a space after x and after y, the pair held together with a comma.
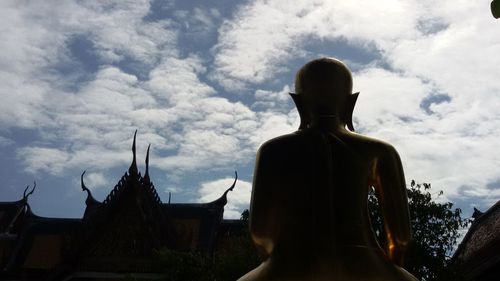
x: 479, y: 250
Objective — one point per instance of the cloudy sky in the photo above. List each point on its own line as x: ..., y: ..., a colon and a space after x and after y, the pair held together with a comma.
x: 206, y: 82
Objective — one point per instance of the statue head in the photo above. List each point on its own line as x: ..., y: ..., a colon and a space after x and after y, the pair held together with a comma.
x: 323, y: 87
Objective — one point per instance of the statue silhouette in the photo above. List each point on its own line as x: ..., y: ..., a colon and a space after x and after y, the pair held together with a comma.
x: 308, y: 213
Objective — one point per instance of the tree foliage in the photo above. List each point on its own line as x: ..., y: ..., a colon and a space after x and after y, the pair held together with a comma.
x: 435, y: 229
x: 235, y: 258
x: 185, y: 266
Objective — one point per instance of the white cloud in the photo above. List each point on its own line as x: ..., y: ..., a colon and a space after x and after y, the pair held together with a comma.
x: 96, y: 121
x: 199, y: 22
x: 5, y: 141
x: 96, y: 180
x: 173, y: 109
x: 117, y: 29
x: 50, y: 160
x: 176, y: 80
x: 36, y: 38
x: 270, y: 100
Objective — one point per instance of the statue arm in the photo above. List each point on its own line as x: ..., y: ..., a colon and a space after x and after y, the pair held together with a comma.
x: 262, y: 206
x: 390, y: 187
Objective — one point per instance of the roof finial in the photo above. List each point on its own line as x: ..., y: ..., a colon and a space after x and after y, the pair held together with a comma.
x: 477, y: 213
x: 84, y: 188
x: 90, y: 199
x: 223, y: 199
x: 26, y: 195
x: 133, y: 167
x: 234, y: 183
x: 146, y: 174
x: 26, y: 189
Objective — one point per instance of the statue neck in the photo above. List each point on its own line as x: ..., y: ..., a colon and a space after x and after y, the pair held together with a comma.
x: 327, y: 122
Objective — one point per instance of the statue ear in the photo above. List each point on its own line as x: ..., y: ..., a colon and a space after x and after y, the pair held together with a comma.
x: 351, y: 102
x: 299, y: 103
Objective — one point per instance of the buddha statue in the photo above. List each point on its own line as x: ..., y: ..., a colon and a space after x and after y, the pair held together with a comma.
x: 308, y: 212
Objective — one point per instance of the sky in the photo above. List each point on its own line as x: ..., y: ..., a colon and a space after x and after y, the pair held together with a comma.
x: 206, y: 83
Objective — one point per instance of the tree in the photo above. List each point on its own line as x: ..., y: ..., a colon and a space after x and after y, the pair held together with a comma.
x: 435, y: 229
x: 237, y: 257
x: 185, y: 266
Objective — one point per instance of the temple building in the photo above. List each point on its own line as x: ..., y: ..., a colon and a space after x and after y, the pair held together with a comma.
x: 477, y: 258
x: 116, y: 239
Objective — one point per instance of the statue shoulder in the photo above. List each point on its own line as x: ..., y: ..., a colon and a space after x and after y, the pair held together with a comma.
x: 373, y: 146
x: 384, y: 149
x: 285, y: 143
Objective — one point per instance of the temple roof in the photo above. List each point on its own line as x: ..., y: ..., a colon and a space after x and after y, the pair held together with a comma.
x: 12, y: 212
x: 133, y: 208
x: 93, y: 204
x: 8, y: 213
x: 131, y: 222
x: 480, y: 247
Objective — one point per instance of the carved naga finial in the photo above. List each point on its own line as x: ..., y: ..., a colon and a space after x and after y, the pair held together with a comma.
x: 26, y: 195
x: 146, y: 174
x: 84, y: 187
x: 90, y: 199
x: 223, y: 199
x: 233, y: 185
x: 133, y: 167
